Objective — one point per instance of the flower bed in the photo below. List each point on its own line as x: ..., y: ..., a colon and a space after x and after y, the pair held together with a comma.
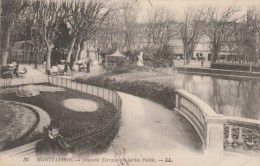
x: 70, y: 122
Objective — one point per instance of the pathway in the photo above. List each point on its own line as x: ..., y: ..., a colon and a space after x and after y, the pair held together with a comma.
x: 95, y: 70
x: 150, y: 130
x: 38, y: 75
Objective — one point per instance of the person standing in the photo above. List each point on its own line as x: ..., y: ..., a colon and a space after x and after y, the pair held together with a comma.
x: 202, y: 59
x: 88, y: 65
x: 98, y: 52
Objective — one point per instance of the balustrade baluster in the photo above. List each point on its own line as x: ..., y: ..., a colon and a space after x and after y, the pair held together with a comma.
x: 81, y: 89
x: 230, y: 139
x: 240, y: 135
x: 250, y: 138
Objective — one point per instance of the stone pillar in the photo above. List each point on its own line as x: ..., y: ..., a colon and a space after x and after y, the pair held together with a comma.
x: 214, y: 136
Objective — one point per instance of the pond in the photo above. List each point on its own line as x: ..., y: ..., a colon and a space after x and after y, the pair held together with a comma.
x: 228, y: 96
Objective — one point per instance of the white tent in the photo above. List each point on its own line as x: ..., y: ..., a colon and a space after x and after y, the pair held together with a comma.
x: 116, y: 54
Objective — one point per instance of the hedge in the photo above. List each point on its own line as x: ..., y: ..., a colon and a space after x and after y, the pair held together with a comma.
x: 150, y: 90
x: 232, y: 66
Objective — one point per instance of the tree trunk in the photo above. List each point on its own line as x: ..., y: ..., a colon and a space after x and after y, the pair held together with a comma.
x: 78, y: 53
x: 68, y: 66
x: 71, y: 49
x: 185, y: 52
x: 36, y: 52
x: 215, y: 55
x: 48, y: 59
x: 6, y: 48
x: 36, y: 60
x: 5, y: 57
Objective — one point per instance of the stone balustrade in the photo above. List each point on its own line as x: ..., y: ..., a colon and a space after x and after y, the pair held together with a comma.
x: 218, y: 132
x: 241, y: 135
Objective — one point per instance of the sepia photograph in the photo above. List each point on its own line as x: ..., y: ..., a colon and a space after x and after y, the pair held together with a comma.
x: 129, y: 82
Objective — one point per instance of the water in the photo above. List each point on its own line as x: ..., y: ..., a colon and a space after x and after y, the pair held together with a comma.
x: 230, y: 97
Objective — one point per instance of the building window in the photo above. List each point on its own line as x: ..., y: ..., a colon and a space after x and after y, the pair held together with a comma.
x: 222, y: 56
x: 209, y: 56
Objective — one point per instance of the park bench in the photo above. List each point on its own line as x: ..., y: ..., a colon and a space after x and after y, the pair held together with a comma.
x: 27, y: 150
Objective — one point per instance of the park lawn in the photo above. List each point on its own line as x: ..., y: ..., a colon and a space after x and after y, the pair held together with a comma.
x: 70, y: 122
x: 134, y: 76
x: 6, y: 115
x: 16, y: 123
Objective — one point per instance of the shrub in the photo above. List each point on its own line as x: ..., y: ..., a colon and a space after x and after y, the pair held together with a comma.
x: 230, y: 66
x: 145, y: 89
x: 127, y: 66
x: 158, y: 57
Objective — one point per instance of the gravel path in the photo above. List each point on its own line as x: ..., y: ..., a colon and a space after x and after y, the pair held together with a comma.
x: 150, y: 130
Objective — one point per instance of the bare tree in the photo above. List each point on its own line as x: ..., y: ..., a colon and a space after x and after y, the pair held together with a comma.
x: 190, y: 30
x: 110, y: 31
x: 217, y: 23
x: 232, y: 40
x: 120, y: 27
x: 249, y: 36
x: 158, y: 28
x: 242, y: 37
x: 149, y: 2
x: 11, y: 14
x: 47, y: 16
x: 34, y: 31
x: 84, y: 20
x: 129, y: 24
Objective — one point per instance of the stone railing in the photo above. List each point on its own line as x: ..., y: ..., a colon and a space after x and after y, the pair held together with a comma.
x: 241, y: 135
x: 80, y: 141
x: 197, y: 112
x: 218, y: 132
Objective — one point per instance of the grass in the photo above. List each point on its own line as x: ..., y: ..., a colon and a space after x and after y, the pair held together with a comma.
x: 138, y: 75
x: 6, y: 115
x: 17, y: 124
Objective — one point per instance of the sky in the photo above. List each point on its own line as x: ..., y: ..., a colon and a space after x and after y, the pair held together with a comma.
x: 178, y: 6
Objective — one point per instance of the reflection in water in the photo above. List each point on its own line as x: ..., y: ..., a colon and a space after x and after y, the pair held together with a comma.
x: 231, y: 97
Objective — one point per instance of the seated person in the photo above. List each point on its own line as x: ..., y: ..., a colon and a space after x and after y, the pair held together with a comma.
x: 54, y: 69
x: 53, y: 144
x: 24, y: 71
x: 13, y: 64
